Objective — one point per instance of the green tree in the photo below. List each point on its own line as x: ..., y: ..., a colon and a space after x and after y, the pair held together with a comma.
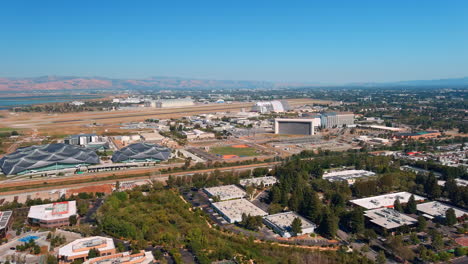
x: 397, y: 205
x: 73, y: 219
x: 51, y: 259
x: 450, y: 217
x: 329, y: 224
x: 381, y: 259
x: 296, y: 226
x: 422, y: 223
x: 411, y: 205
x: 93, y: 253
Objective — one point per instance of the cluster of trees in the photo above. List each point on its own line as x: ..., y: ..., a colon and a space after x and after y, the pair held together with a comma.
x: 251, y: 222
x: 55, y: 240
x: 162, y: 218
x: 29, y: 246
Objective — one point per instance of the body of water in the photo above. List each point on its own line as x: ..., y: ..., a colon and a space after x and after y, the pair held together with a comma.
x: 17, y: 101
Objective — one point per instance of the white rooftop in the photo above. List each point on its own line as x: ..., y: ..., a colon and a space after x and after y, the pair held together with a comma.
x: 438, y: 209
x: 267, y: 180
x: 226, y: 192
x: 347, y: 174
x: 235, y: 208
x: 385, y: 200
x: 5, y: 218
x: 284, y: 221
x: 83, y: 245
x: 389, y: 218
x: 52, y: 211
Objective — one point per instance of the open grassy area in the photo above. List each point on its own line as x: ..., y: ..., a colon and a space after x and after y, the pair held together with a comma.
x: 228, y: 150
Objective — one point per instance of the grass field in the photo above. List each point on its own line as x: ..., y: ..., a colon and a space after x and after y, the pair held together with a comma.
x: 228, y: 150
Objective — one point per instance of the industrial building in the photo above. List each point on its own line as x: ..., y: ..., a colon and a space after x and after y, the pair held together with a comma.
x: 334, y: 119
x: 435, y: 209
x: 49, y: 157
x: 385, y: 200
x: 52, y: 215
x: 258, y: 181
x: 5, y: 222
x: 295, y: 126
x: 166, y: 103
x: 141, y: 152
x: 350, y: 176
x: 271, y: 106
x: 281, y: 223
x: 143, y: 257
x: 225, y: 192
x: 232, y: 210
x: 79, y: 249
x: 388, y: 218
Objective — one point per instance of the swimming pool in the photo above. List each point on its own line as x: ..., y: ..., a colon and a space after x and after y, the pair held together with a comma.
x: 28, y: 238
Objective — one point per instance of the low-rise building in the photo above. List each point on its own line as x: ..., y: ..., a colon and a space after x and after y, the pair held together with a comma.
x: 281, y: 223
x: 143, y: 257
x: 225, y: 192
x: 258, y: 181
x: 385, y: 200
x: 436, y: 209
x: 52, y: 215
x: 388, y: 219
x: 79, y: 249
x: 5, y: 222
x: 349, y: 176
x: 233, y: 210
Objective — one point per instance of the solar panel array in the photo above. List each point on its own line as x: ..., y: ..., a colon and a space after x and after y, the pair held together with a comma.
x: 5, y: 218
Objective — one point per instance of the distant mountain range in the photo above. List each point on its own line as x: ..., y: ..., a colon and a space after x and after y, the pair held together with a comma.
x: 53, y: 83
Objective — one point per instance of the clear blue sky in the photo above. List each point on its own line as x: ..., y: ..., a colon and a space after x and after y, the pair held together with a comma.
x: 304, y: 41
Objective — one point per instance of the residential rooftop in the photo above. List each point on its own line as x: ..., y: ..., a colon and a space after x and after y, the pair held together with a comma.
x: 233, y: 209
x: 389, y: 218
x: 438, y: 209
x: 266, y: 181
x: 385, y: 200
x: 53, y: 211
x: 226, y: 192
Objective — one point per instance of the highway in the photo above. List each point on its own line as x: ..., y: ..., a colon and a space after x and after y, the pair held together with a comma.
x: 91, y: 180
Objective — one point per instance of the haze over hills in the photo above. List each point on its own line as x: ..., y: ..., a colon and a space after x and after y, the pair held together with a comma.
x: 52, y: 83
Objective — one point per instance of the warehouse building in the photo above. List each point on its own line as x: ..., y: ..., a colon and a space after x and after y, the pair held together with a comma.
x: 435, y: 209
x: 143, y: 257
x: 78, y: 250
x: 44, y: 158
x: 225, y: 192
x: 142, y: 152
x: 167, y: 103
x: 385, y: 200
x: 258, y: 181
x: 388, y: 219
x: 52, y: 215
x: 295, y: 126
x: 5, y: 222
x: 335, y: 119
x: 232, y: 210
x: 271, y: 106
x: 350, y: 176
x: 281, y: 223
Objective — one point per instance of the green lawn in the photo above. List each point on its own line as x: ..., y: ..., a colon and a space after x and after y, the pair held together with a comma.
x: 234, y: 151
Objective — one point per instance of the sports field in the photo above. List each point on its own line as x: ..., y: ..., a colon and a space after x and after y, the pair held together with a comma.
x: 230, y: 150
